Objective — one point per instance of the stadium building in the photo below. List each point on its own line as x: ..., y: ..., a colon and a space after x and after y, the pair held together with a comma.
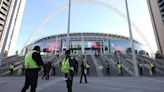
x: 85, y: 43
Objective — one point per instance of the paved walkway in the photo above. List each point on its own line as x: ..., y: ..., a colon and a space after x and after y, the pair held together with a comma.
x: 95, y: 84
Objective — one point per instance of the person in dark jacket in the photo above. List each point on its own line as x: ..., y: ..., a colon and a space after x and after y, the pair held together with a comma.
x: 75, y: 64
x: 67, y: 69
x: 107, y: 68
x: 83, y: 72
x: 33, y: 62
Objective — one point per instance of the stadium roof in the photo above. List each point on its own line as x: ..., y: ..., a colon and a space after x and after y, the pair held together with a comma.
x: 86, y: 36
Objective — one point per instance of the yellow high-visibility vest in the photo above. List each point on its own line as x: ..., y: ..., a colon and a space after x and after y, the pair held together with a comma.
x: 152, y: 65
x: 119, y: 66
x: 30, y: 63
x: 65, y: 66
x: 140, y: 65
x: 87, y: 66
x: 11, y: 66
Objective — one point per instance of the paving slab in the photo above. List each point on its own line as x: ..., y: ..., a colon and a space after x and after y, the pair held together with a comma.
x: 95, y: 84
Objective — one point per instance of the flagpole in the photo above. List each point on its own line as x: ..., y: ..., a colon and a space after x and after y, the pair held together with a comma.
x: 68, y: 28
x: 132, y: 43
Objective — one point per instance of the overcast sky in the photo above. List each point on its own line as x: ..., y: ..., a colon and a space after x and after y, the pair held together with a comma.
x: 85, y: 17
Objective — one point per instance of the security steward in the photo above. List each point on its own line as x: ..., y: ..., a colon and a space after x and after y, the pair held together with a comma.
x: 119, y: 67
x: 87, y: 67
x: 33, y: 62
x: 68, y: 70
x: 11, y: 68
x: 152, y: 65
x: 140, y: 65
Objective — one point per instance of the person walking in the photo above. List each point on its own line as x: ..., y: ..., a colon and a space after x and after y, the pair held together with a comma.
x: 87, y: 65
x: 67, y: 69
x: 33, y: 62
x: 45, y: 71
x: 83, y: 72
x: 48, y: 70
x: 107, y: 68
x: 75, y: 66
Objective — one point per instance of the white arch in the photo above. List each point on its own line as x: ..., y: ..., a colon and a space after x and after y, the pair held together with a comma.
x: 78, y: 2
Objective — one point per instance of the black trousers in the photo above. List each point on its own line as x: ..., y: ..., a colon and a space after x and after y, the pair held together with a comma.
x: 54, y: 71
x: 31, y: 78
x: 141, y: 70
x: 88, y: 71
x: 153, y: 70
x: 83, y: 74
x: 69, y: 82
x: 107, y: 71
x: 45, y: 75
x: 120, y: 71
x: 11, y: 71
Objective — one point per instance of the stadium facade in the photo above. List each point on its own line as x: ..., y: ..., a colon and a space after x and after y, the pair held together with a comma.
x: 85, y: 43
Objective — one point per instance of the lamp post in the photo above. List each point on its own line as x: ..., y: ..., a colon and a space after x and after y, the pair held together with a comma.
x: 68, y: 28
x: 131, y: 42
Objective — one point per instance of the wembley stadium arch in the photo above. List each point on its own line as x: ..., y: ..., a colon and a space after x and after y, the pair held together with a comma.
x: 78, y: 2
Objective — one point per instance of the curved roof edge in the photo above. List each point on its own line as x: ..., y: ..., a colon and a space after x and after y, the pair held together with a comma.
x: 75, y: 34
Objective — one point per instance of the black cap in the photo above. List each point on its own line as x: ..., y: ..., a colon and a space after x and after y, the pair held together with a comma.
x: 67, y: 52
x: 36, y: 48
